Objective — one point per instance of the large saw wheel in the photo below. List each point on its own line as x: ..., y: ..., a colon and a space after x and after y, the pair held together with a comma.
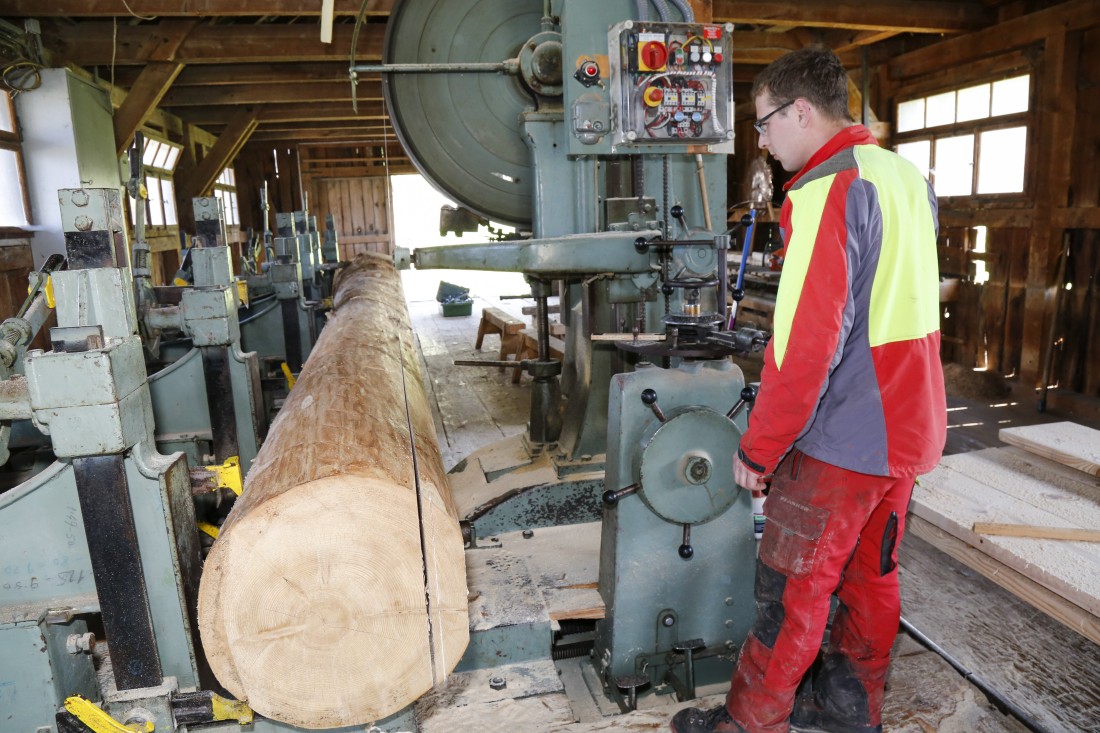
x: 463, y: 130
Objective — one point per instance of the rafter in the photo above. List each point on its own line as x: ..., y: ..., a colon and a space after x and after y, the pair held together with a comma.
x: 369, y: 109
x: 899, y: 16
x: 93, y: 43
x: 169, y: 8
x: 327, y: 91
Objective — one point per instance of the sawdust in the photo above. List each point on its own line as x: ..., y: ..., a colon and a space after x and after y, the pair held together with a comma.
x: 964, y: 382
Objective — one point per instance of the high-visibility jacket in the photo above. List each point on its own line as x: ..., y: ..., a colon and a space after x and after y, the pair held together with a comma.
x: 852, y: 375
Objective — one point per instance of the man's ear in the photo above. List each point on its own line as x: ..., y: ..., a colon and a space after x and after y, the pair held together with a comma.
x: 804, y: 110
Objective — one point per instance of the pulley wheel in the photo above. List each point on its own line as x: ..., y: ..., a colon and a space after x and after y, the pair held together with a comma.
x: 463, y: 130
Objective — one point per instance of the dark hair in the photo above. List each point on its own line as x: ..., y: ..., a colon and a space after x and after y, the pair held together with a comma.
x: 813, y: 73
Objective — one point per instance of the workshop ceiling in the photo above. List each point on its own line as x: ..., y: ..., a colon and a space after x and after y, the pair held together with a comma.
x: 267, y: 55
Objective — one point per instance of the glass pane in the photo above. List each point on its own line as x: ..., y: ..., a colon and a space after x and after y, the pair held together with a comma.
x: 6, y: 123
x: 911, y: 115
x: 169, y: 196
x: 941, y: 109
x: 1001, y: 160
x: 162, y: 156
x: 918, y: 153
x: 232, y: 177
x: 156, y: 208
x: 954, y: 166
x: 974, y: 103
x: 233, y: 208
x: 12, y: 213
x: 152, y: 147
x: 1010, y: 95
x: 172, y: 158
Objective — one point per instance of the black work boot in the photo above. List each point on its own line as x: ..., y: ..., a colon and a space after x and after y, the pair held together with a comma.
x: 809, y: 716
x: 694, y: 720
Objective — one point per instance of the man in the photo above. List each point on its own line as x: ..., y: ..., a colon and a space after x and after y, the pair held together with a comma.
x: 851, y: 410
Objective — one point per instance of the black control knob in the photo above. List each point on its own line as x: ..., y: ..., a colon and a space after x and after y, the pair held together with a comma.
x: 677, y: 211
x: 641, y: 245
x: 748, y: 394
x: 686, y: 551
x: 738, y: 294
x: 649, y: 397
x: 667, y: 289
x: 746, y: 220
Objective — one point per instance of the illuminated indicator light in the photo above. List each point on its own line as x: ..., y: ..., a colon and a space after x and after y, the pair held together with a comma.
x: 707, y: 57
x: 591, y: 69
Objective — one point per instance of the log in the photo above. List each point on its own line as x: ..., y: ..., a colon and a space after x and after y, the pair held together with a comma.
x: 335, y: 594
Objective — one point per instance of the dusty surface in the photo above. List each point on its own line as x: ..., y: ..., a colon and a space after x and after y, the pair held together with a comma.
x: 964, y: 382
x: 1068, y: 443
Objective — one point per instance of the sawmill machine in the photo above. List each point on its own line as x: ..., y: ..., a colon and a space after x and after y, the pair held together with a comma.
x: 604, y: 135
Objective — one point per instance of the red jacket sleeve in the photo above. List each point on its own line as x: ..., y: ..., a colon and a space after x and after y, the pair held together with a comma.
x: 810, y: 321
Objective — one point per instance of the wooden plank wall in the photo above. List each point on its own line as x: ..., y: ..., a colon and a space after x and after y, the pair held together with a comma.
x: 361, y: 211
x: 1004, y: 324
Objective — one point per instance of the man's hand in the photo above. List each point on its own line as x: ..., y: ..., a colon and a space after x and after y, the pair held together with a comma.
x: 746, y: 477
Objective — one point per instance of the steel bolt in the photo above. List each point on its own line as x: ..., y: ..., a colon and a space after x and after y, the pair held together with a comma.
x: 498, y: 683
x: 668, y: 620
x: 78, y: 643
x: 528, y: 534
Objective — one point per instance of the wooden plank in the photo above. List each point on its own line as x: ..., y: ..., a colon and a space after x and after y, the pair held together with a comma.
x: 200, y: 180
x: 892, y: 15
x: 170, y: 8
x: 1072, y: 615
x: 1067, y: 443
x: 1048, y: 533
x: 952, y: 500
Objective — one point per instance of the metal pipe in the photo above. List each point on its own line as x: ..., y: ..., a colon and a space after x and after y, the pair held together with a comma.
x: 704, y: 199
x: 998, y: 700
x: 511, y: 66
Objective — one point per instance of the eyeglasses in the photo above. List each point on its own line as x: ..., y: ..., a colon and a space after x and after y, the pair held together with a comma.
x: 761, y: 125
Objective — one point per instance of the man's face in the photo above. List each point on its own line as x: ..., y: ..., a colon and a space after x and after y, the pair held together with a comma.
x: 777, y: 126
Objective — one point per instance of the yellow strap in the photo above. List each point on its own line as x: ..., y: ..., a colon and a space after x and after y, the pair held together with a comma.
x: 209, y: 529
x: 100, y: 722
x: 228, y: 475
x: 230, y: 710
x: 242, y: 292
x: 290, y: 380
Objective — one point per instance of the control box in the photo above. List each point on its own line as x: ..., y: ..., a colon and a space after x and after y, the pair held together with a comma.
x: 671, y: 83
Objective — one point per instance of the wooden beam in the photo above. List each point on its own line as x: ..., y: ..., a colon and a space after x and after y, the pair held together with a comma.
x: 170, y: 8
x: 1057, y: 106
x: 90, y: 43
x: 898, y: 16
x: 998, y: 39
x: 340, y: 137
x: 143, y: 98
x: 268, y: 73
x: 371, y: 109
x: 325, y: 91
x: 201, y: 179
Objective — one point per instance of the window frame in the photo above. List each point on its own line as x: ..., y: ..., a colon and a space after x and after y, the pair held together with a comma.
x: 162, y: 175
x: 13, y: 141
x: 1026, y: 119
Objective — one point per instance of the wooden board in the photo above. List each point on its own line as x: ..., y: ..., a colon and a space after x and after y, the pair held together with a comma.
x: 565, y: 562
x: 998, y: 485
x: 1067, y: 443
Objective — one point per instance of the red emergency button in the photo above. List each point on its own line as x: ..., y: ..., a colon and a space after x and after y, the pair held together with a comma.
x: 653, y: 56
x: 653, y: 96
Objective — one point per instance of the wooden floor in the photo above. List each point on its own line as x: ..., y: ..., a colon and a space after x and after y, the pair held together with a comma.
x: 1049, y: 671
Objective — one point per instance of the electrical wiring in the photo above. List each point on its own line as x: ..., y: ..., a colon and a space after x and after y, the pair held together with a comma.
x: 20, y: 61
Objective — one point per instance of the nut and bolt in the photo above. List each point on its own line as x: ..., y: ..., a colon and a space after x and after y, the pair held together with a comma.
x: 528, y: 534
x: 498, y: 683
x: 80, y: 643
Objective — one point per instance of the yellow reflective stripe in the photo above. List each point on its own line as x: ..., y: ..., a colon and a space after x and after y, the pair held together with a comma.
x: 905, y: 292
x: 807, y: 207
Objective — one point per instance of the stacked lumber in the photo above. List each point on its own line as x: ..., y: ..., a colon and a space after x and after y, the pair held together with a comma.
x: 335, y: 594
x: 1026, y: 516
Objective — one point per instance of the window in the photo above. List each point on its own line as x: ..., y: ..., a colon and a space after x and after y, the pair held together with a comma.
x: 13, y: 189
x: 225, y: 188
x: 159, y: 159
x: 971, y: 140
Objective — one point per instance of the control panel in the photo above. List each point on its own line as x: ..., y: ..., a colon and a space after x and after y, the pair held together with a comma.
x: 671, y: 83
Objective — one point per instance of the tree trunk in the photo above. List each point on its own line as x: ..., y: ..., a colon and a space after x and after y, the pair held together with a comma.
x: 336, y: 592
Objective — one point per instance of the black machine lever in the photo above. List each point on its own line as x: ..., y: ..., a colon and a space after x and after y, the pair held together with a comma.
x: 748, y: 395
x: 649, y: 397
x: 612, y: 497
x: 686, y: 550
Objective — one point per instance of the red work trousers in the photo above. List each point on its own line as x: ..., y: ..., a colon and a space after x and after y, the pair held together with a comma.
x: 829, y: 531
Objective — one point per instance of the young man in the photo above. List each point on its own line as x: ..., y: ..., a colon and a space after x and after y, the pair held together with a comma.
x: 851, y: 409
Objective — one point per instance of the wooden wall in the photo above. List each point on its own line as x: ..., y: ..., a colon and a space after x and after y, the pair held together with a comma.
x: 1005, y: 323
